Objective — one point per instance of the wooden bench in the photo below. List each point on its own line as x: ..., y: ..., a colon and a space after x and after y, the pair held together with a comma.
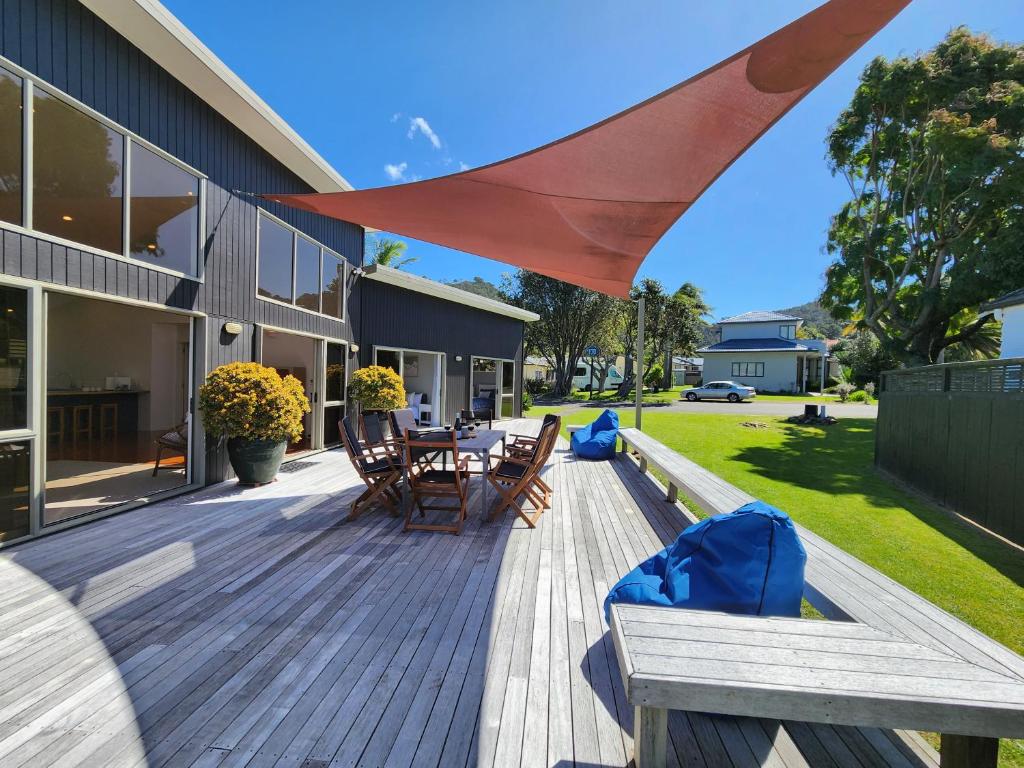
x: 845, y: 589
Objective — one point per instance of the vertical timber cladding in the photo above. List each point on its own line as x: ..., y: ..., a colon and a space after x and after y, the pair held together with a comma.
x: 385, y: 315
x: 956, y: 433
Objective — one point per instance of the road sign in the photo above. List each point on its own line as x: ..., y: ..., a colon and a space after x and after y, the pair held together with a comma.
x: 591, y: 352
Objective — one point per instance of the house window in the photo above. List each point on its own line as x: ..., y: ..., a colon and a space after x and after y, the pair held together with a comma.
x: 787, y: 331
x: 276, y: 249
x: 332, y: 286
x: 164, y: 212
x: 11, y: 147
x: 747, y: 370
x: 292, y: 269
x: 77, y: 165
x: 307, y: 275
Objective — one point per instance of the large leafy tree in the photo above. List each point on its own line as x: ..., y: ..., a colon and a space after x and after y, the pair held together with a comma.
x: 933, y: 150
x: 570, y: 319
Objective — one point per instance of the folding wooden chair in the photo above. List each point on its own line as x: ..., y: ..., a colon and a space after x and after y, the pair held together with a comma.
x: 428, y: 482
x: 524, y: 445
x: 378, y: 466
x: 373, y: 425
x: 517, y: 475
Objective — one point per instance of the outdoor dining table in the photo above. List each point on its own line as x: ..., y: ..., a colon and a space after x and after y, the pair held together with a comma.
x: 480, y: 444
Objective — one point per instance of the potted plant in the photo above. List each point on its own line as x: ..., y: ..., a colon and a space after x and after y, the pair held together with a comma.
x: 258, y: 412
x: 377, y: 388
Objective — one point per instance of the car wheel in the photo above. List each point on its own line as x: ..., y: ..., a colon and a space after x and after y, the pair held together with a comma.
x: 691, y: 397
x: 733, y: 397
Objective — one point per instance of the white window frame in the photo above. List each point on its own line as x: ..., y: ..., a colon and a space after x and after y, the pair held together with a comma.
x: 296, y: 233
x: 783, y: 332
x: 746, y: 366
x: 29, y: 83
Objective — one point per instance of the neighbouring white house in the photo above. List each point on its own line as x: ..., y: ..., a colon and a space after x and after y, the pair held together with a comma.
x: 1009, y: 310
x: 536, y: 368
x: 761, y: 350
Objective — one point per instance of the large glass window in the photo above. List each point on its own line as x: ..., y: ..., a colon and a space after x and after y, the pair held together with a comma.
x: 13, y: 358
x: 307, y: 275
x: 77, y: 175
x: 748, y: 369
x: 333, y: 286
x: 15, y: 458
x: 11, y: 147
x: 275, y: 261
x: 164, y: 213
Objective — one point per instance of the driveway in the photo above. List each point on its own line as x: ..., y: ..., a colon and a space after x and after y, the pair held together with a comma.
x: 763, y: 408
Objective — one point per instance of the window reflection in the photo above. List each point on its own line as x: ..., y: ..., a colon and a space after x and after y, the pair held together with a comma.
x: 11, y: 147
x: 275, y: 261
x: 164, y: 213
x: 13, y: 358
x: 332, y: 285
x: 77, y: 175
x: 15, y: 459
x: 307, y: 275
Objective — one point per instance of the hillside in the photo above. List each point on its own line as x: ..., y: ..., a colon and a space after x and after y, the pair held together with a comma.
x: 479, y: 286
x: 816, y: 316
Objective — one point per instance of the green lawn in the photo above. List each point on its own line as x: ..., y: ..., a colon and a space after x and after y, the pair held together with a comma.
x: 825, y: 479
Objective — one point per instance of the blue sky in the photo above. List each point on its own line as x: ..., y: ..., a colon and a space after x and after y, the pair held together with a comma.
x: 386, y: 91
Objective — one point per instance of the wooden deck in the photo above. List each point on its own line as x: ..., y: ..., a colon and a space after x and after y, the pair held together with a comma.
x: 256, y: 627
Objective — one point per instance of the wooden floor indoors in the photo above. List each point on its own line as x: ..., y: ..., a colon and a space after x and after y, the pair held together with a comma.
x: 257, y: 627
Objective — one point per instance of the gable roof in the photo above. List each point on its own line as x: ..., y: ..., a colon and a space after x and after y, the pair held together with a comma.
x: 756, y: 345
x: 155, y: 31
x: 1012, y: 299
x: 758, y: 316
x: 410, y: 282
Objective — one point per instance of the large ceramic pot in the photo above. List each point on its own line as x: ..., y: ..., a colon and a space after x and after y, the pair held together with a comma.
x: 255, y: 461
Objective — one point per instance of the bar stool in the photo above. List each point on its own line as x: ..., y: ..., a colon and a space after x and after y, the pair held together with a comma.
x: 55, y: 423
x: 108, y: 424
x: 78, y: 426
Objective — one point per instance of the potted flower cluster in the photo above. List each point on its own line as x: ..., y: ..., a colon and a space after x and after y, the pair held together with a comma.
x: 258, y: 412
x: 377, y: 388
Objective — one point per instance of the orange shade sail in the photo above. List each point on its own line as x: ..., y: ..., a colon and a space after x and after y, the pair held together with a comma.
x: 587, y: 209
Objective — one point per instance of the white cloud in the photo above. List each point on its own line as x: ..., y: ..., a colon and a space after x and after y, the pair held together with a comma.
x: 419, y: 124
x: 394, y: 117
x: 396, y: 172
x: 463, y: 166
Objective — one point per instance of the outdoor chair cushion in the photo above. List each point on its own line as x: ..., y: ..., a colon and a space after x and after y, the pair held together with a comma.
x: 510, y: 470
x: 749, y: 561
x: 597, y: 440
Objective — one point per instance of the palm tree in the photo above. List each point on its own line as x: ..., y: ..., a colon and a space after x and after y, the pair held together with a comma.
x: 389, y: 253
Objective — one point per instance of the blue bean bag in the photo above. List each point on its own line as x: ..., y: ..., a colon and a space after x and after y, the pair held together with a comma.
x: 597, y: 440
x: 749, y: 561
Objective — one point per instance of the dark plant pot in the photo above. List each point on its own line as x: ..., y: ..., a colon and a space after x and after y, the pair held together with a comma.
x: 255, y: 461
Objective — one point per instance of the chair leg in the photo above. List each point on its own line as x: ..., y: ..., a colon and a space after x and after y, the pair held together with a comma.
x: 159, y: 452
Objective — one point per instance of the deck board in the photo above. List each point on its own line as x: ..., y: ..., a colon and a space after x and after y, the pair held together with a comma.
x: 257, y: 627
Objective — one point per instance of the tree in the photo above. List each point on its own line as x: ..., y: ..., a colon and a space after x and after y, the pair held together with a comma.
x: 685, y: 324
x: 479, y: 286
x: 570, y: 317
x: 865, y: 357
x: 932, y: 148
x: 390, y: 253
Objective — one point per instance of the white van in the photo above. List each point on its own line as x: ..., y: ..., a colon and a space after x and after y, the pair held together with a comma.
x: 582, y: 377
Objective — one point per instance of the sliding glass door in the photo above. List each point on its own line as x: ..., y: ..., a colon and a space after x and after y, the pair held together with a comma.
x: 335, y: 383
x: 492, y: 386
x: 422, y: 375
x: 17, y: 439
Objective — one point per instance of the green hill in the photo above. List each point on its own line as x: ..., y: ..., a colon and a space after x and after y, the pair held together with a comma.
x: 816, y: 317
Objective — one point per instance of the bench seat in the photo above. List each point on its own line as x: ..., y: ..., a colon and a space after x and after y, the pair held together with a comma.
x: 845, y: 589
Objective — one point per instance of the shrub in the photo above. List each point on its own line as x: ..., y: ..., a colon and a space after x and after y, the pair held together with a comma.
x: 653, y: 377
x: 860, y: 396
x: 377, y: 388
x: 535, y: 386
x: 869, y: 388
x: 252, y: 401
x: 844, y: 390
x: 527, y: 401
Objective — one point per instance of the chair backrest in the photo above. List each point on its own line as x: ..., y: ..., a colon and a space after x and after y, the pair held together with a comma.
x: 432, y: 442
x: 402, y: 420
x: 545, y: 439
x: 373, y: 428
x: 352, y: 445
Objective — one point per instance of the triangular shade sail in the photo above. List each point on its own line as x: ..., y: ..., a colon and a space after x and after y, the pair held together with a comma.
x: 588, y: 208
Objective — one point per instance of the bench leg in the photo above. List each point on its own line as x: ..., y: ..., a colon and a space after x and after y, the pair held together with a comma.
x: 968, y: 751
x: 673, y: 493
x: 650, y: 737
x: 643, y: 464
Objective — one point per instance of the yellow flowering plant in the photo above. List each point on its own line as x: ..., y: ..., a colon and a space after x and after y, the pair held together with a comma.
x: 377, y: 388
x: 252, y: 401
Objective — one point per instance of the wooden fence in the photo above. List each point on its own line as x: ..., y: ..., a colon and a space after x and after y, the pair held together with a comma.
x: 956, y: 433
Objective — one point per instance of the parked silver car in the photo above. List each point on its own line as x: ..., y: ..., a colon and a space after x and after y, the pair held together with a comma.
x: 721, y: 390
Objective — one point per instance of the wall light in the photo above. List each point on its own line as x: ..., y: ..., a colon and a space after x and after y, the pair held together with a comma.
x: 458, y: 358
x: 353, y: 348
x: 67, y: 218
x: 232, y: 329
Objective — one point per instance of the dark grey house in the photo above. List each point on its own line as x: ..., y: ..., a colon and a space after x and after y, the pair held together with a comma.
x: 132, y: 265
